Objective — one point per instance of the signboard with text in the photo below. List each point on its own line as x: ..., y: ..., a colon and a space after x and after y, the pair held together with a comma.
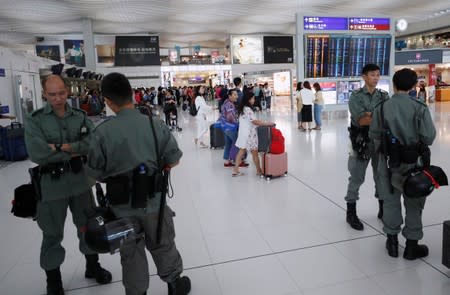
x: 422, y: 57
x: 368, y: 24
x: 137, y: 51
x: 278, y: 49
x: 325, y: 23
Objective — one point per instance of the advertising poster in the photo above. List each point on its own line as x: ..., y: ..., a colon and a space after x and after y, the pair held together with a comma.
x: 282, y: 83
x: 105, y: 54
x: 137, y: 51
x: 49, y: 52
x: 278, y: 49
x: 74, y: 52
x: 345, y: 89
x: 247, y: 50
x: 174, y: 57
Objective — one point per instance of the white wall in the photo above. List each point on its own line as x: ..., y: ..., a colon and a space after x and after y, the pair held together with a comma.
x: 27, y: 67
x: 238, y: 70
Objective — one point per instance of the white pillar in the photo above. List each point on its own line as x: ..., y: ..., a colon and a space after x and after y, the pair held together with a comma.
x: 89, y: 45
x: 300, y: 48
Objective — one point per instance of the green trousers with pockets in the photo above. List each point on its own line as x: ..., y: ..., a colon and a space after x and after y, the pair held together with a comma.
x: 51, y: 217
x: 135, y: 274
x: 357, y: 168
x: 392, y: 217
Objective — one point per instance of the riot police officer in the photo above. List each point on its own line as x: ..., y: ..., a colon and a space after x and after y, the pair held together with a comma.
x: 57, y: 140
x: 120, y: 154
x: 401, y: 128
x: 361, y: 105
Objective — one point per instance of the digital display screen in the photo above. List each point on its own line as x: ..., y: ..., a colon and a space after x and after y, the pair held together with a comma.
x: 369, y: 24
x: 345, y: 55
x: 247, y: 49
x: 325, y: 23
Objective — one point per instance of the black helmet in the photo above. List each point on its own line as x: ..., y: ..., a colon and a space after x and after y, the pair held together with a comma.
x: 421, y: 183
x: 104, y: 233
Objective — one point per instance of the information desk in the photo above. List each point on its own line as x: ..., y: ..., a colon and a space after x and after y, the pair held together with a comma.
x: 443, y: 94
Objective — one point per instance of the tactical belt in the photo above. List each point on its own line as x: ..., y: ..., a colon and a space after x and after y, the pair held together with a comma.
x: 56, y: 169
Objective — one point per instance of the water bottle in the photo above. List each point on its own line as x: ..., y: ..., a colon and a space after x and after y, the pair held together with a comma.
x: 140, y: 187
x: 101, y: 199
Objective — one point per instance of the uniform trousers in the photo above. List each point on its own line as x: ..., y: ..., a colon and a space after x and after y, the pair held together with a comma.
x: 135, y: 274
x: 392, y: 207
x: 357, y: 168
x: 51, y: 217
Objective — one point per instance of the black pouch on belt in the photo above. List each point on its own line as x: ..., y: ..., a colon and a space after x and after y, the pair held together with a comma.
x: 76, y: 164
x: 140, y: 187
x: 409, y: 155
x: 156, y: 184
x: 118, y: 190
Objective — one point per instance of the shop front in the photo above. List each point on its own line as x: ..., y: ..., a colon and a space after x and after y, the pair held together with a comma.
x: 432, y: 68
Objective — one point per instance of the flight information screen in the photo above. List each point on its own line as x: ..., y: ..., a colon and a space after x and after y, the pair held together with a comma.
x: 345, y: 55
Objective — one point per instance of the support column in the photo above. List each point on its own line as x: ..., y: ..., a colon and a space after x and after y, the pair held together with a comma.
x: 300, y: 50
x: 89, y: 44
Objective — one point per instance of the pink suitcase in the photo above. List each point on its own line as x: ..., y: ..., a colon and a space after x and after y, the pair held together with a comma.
x: 274, y: 165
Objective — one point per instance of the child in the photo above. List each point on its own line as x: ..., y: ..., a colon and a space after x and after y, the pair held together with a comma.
x: 247, y: 136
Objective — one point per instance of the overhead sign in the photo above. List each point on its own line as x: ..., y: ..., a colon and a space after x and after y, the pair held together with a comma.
x: 369, y: 24
x: 318, y: 23
x: 278, y: 49
x: 325, y: 23
x: 421, y: 57
x: 247, y: 49
x: 137, y: 51
x: 2, y: 72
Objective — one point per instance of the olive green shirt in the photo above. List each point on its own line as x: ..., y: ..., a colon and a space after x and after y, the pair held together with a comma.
x: 409, y: 120
x: 125, y: 141
x: 44, y: 127
x: 361, y: 101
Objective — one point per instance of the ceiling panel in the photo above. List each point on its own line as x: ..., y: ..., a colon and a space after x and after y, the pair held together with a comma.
x: 187, y: 20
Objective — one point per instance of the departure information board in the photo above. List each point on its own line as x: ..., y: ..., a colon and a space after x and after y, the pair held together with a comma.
x: 345, y: 55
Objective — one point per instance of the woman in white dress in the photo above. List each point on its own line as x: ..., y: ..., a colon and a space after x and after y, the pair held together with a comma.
x: 247, y: 136
x: 203, y: 110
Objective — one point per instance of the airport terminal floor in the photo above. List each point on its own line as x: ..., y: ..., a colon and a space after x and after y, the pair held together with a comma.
x: 246, y: 235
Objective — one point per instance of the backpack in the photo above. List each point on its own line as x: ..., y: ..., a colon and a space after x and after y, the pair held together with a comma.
x: 193, y: 110
x: 277, y: 145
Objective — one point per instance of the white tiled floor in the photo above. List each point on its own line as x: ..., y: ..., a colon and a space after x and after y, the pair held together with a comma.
x: 248, y: 236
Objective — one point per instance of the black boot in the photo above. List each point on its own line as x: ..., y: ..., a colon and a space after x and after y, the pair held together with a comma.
x: 95, y: 271
x: 392, y: 245
x: 54, y: 282
x: 181, y: 286
x: 352, y: 218
x: 380, y: 209
x: 413, y: 250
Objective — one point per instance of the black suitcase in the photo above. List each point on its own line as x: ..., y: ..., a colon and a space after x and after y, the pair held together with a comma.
x: 446, y: 244
x: 217, y: 138
x: 264, y: 138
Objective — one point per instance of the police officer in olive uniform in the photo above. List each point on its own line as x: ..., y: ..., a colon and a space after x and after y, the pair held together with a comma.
x: 361, y: 105
x: 410, y: 126
x: 120, y: 145
x: 57, y: 140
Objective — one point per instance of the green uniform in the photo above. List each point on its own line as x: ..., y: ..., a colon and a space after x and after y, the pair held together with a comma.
x: 119, y: 145
x: 409, y: 121
x: 43, y: 127
x: 361, y: 101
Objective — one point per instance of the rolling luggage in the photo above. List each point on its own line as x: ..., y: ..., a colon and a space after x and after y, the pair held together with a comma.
x: 264, y: 138
x: 274, y: 165
x: 217, y: 138
x: 13, y: 142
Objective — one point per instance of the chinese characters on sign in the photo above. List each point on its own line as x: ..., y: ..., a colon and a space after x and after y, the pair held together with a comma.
x: 343, y: 23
